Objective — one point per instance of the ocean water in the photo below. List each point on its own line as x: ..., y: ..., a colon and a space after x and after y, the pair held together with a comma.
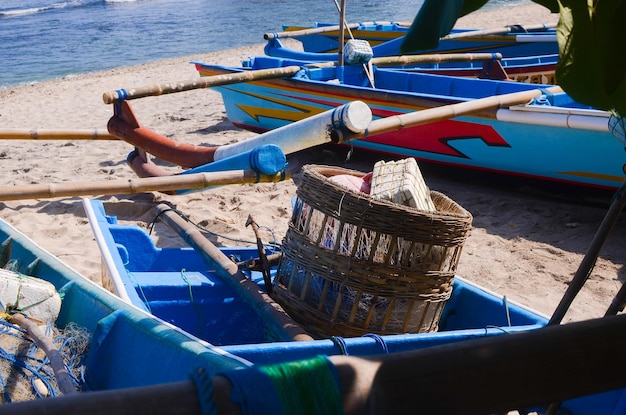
x: 46, y: 39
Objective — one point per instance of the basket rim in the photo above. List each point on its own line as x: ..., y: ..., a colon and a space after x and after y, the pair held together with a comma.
x: 319, y: 171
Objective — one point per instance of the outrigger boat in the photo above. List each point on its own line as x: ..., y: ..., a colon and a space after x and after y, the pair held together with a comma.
x: 527, y: 57
x: 517, y: 354
x: 187, y: 287
x: 175, y: 284
x: 124, y: 343
x: 386, y: 37
x: 129, y: 347
x: 548, y: 137
x: 535, y: 69
x: 576, y: 366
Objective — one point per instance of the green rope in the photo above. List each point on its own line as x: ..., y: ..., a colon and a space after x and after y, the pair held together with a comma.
x: 194, y: 305
x: 141, y: 293
x: 184, y: 277
x: 306, y: 386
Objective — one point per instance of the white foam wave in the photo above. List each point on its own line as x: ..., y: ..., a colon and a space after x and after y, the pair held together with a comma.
x: 54, y: 6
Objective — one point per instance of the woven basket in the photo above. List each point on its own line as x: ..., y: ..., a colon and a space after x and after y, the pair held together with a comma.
x: 354, y: 265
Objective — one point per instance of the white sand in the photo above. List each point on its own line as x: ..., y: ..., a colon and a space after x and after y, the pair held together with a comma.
x: 524, y: 247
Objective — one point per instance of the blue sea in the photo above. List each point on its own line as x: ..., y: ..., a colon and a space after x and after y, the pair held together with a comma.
x: 46, y: 39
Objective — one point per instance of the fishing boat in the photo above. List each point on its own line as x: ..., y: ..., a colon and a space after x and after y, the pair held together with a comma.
x: 386, y: 37
x: 536, y: 69
x: 153, y: 280
x: 129, y: 347
x: 539, y: 69
x: 184, y: 287
x: 549, y: 137
x: 123, y: 342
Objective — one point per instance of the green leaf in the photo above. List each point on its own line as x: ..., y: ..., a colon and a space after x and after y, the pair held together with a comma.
x: 435, y: 19
x: 592, y: 53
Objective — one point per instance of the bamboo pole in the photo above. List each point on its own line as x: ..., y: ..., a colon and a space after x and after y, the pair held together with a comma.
x: 130, y: 186
x: 480, y: 376
x: 342, y: 34
x: 44, y: 134
x: 434, y: 58
x: 198, y: 83
x: 311, y: 31
x: 287, y: 71
x: 498, y: 31
x: 591, y: 256
x: 412, y: 119
x: 280, y: 322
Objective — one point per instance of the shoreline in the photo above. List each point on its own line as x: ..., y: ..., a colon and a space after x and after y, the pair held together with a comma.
x: 524, y: 15
x: 522, y: 246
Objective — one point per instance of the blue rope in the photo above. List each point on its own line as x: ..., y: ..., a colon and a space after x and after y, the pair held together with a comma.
x: 26, y: 364
x: 122, y: 95
x: 378, y: 340
x: 204, y: 386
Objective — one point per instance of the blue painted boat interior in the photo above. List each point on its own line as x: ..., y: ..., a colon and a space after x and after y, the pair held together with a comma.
x: 470, y: 313
x: 427, y: 85
x: 130, y: 348
x: 127, y: 347
x: 177, y: 286
x: 316, y: 43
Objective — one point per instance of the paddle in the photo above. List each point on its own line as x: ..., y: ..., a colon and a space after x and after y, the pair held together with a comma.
x: 23, y: 134
x: 287, y: 71
x: 130, y: 186
x: 271, y: 313
x: 412, y: 119
x: 582, y: 358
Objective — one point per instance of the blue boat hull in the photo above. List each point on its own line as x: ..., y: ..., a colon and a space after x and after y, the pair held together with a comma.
x: 386, y: 39
x: 175, y: 285
x: 560, y: 141
x: 124, y: 342
x: 471, y: 313
x: 534, y: 69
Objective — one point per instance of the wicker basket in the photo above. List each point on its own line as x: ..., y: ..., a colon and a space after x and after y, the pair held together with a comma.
x: 354, y: 265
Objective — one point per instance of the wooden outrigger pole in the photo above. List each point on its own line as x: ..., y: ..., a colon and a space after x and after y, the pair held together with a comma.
x: 138, y: 185
x: 126, y: 94
x: 49, y: 134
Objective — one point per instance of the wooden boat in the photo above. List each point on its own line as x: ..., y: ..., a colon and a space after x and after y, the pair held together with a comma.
x: 123, y: 342
x: 386, y: 37
x: 143, y: 339
x: 536, y: 69
x: 540, y: 365
x: 551, y: 138
x: 497, y: 356
x: 175, y: 285
x: 323, y: 37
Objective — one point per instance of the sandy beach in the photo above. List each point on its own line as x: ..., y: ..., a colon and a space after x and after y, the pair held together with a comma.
x: 523, y: 245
